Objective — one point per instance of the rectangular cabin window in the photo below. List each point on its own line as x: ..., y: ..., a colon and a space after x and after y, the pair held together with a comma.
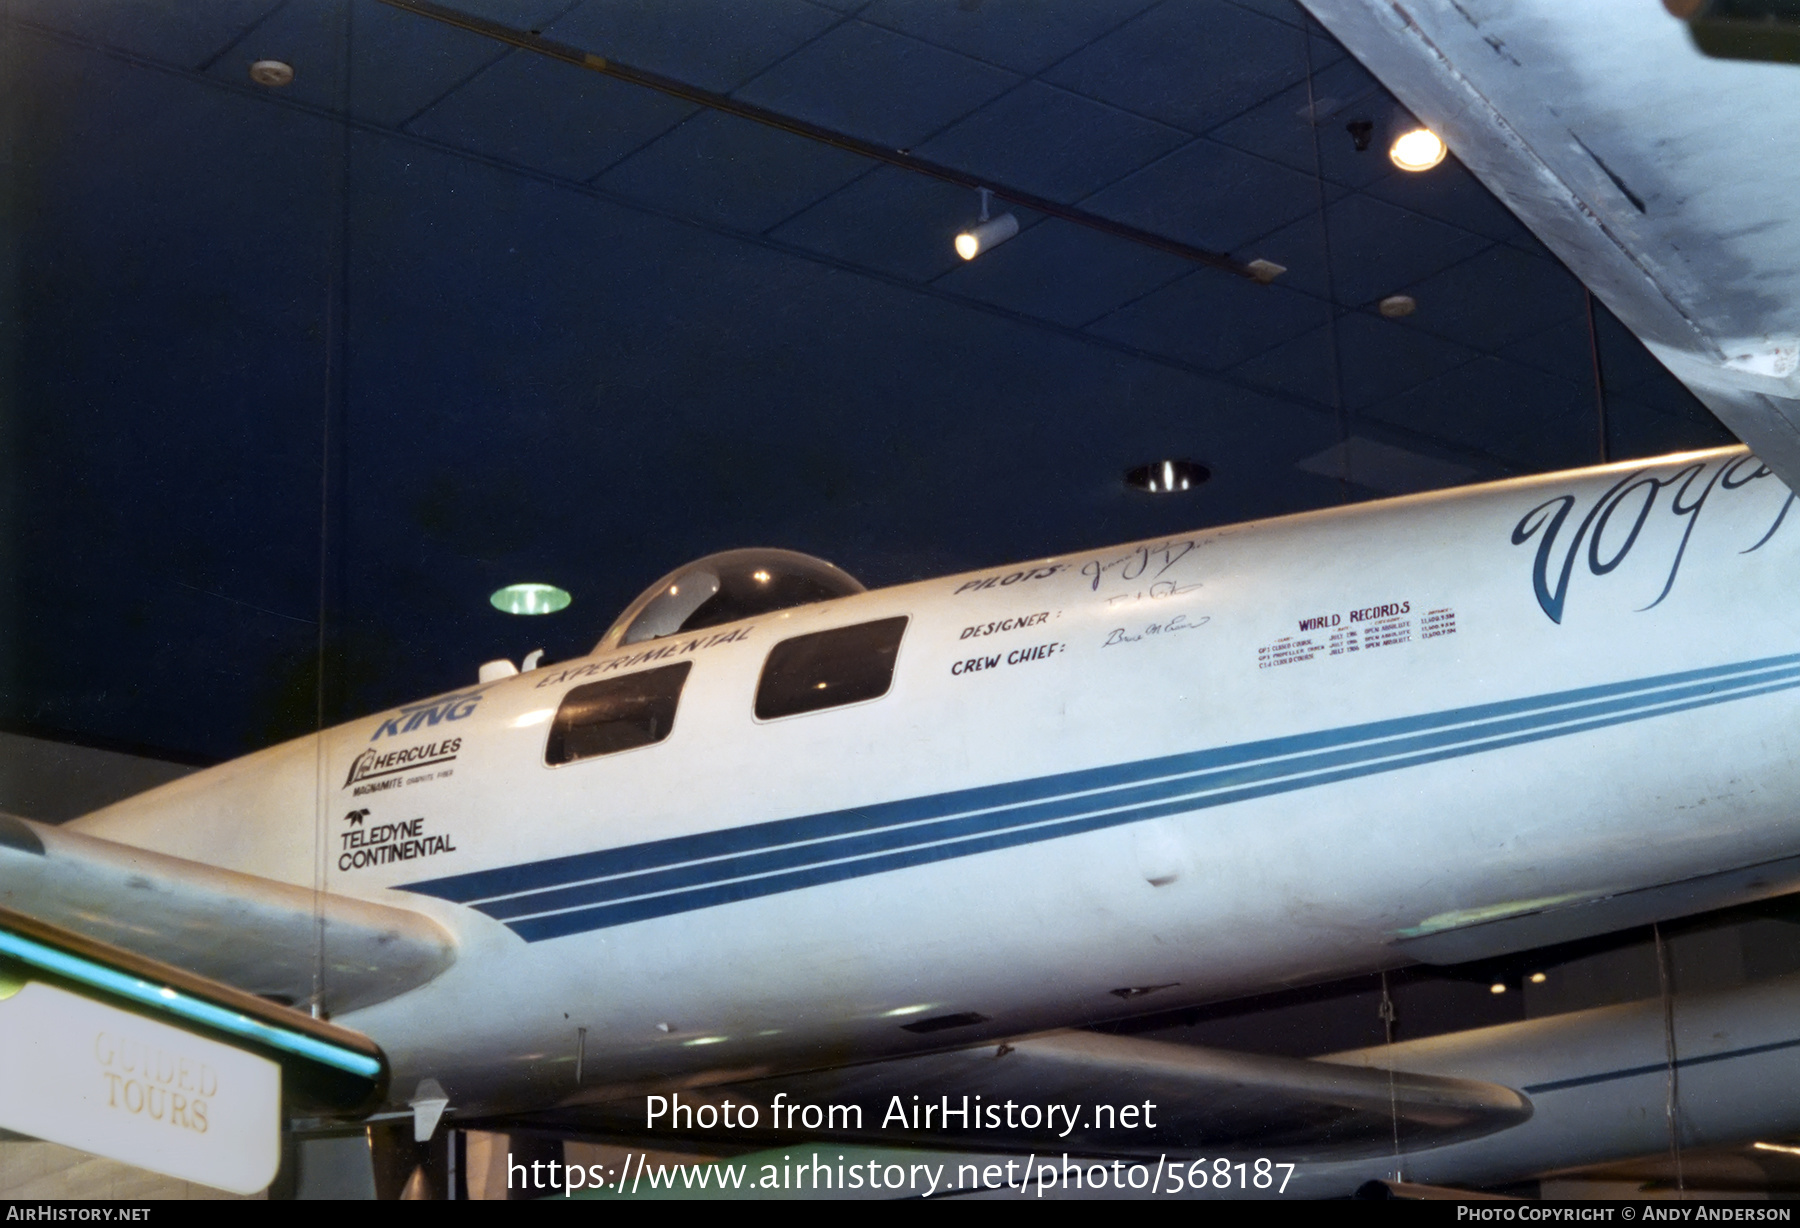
x: 845, y: 665
x: 604, y: 718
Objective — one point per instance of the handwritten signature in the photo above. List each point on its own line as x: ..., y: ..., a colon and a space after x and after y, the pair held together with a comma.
x: 1547, y: 520
x: 1140, y: 560
x: 1179, y: 623
x: 1156, y: 592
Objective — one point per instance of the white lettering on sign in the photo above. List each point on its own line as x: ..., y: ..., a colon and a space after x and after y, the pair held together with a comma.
x: 91, y: 1076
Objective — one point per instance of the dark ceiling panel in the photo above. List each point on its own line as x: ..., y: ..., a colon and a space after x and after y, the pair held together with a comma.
x: 1211, y: 320
x: 1026, y: 36
x: 715, y: 46
x: 187, y: 34
x: 1496, y: 297
x: 1063, y: 273
x: 1052, y: 143
x: 1280, y: 128
x: 888, y: 220
x: 552, y: 116
x: 1376, y: 359
x: 1376, y: 249
x: 1535, y: 421
x: 877, y: 85
x: 168, y: 400
x: 401, y: 63
x: 1450, y: 194
x: 310, y: 37
x: 1557, y: 350
x: 1299, y: 247
x: 1281, y: 10
x: 1639, y: 430
x: 1193, y: 65
x: 733, y: 172
x: 1210, y: 195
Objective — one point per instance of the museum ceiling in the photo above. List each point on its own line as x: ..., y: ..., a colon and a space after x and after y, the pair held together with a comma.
x: 314, y: 368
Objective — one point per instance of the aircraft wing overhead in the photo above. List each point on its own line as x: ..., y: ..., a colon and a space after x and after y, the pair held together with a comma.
x: 1649, y: 167
x: 1294, y: 1108
x: 252, y: 933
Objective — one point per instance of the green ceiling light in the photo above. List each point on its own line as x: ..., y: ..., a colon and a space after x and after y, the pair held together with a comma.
x: 530, y: 599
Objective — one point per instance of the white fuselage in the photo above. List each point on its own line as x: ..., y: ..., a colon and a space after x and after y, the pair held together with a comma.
x: 1218, y: 763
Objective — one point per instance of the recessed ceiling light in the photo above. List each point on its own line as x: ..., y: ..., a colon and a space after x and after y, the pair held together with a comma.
x: 530, y: 599
x: 1167, y: 476
x: 1395, y: 306
x: 1538, y: 978
x: 1418, y: 150
x: 1497, y: 987
x: 272, y: 73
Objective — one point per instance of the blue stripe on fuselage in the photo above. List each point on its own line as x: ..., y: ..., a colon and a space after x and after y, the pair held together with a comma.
x: 565, y: 895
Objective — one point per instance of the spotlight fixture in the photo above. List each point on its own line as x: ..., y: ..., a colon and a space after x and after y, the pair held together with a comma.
x: 1397, y: 306
x: 1418, y: 150
x: 530, y: 599
x: 272, y: 73
x: 986, y: 233
x: 1497, y: 987
x: 1538, y: 978
x: 1167, y: 477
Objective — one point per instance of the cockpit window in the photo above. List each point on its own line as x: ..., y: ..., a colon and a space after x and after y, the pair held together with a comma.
x: 845, y: 665
x: 604, y: 718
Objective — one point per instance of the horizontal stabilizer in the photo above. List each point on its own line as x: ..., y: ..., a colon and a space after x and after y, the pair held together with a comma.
x: 249, y: 932
x: 1293, y: 1108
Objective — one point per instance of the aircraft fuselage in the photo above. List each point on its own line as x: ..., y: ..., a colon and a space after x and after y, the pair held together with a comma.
x: 1172, y: 771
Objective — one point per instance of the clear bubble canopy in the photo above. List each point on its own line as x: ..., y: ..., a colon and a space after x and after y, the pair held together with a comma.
x: 723, y: 588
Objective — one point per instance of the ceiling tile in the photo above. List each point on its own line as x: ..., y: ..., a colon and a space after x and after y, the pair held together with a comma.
x: 891, y: 220
x: 551, y: 116
x: 403, y: 63
x: 309, y: 37
x: 1377, y: 358
x: 1023, y: 35
x: 1193, y: 65
x: 700, y: 42
x: 733, y: 172
x: 877, y: 85
x: 1281, y: 10
x: 1212, y: 318
x: 1299, y: 248
x: 1383, y: 467
x: 1064, y: 273
x: 1638, y: 431
x: 1496, y: 297
x: 1376, y: 248
x: 1209, y: 195
x: 1664, y: 392
x: 187, y: 34
x: 1449, y: 193
x: 1526, y: 417
x: 1624, y: 362
x: 400, y: 62
x: 1280, y: 128
x: 1052, y: 143
x: 1562, y: 349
